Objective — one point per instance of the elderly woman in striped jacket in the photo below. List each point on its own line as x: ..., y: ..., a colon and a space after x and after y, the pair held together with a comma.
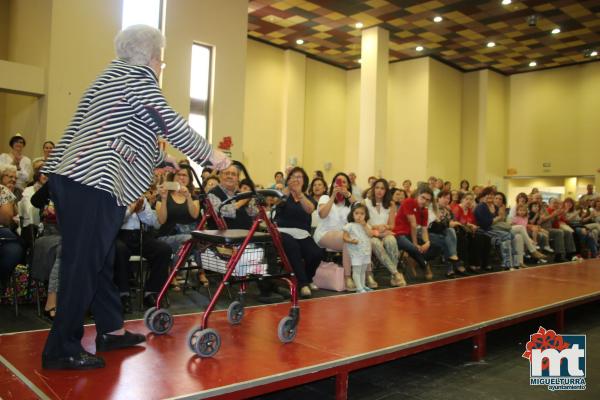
x: 103, y: 163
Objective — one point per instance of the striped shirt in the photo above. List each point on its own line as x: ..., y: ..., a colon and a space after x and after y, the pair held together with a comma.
x: 111, y: 143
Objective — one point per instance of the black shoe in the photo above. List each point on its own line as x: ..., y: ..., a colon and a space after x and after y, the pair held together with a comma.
x: 270, y: 298
x: 50, y: 314
x: 150, y: 300
x: 107, y: 342
x: 450, y: 275
x: 126, y: 304
x: 284, y: 292
x: 83, y: 360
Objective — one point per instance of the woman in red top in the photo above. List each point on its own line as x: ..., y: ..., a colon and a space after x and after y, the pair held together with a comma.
x: 473, y: 247
x: 410, y: 229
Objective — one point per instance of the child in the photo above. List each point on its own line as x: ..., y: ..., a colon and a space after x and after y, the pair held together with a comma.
x: 357, y: 234
x: 539, y: 235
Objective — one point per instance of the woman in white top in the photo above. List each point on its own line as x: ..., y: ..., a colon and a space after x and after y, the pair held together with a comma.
x: 383, y: 241
x: 16, y: 158
x: 333, y: 213
x: 317, y: 188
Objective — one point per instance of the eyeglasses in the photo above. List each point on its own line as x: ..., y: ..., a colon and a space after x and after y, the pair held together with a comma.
x: 296, y: 177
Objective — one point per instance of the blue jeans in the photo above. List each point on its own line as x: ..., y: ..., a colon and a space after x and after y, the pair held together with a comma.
x: 11, y: 252
x: 406, y: 244
x: 446, y: 242
x: 503, y: 240
x: 588, y: 240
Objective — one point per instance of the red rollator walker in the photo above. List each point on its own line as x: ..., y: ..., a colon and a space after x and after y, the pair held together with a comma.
x: 241, y: 256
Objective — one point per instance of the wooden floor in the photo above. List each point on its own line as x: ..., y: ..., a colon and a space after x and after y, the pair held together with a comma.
x: 338, y: 332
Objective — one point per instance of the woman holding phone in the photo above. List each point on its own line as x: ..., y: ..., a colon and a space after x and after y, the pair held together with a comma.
x: 333, y: 209
x: 177, y: 211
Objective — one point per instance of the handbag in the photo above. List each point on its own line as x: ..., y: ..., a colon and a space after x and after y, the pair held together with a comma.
x: 437, y: 227
x: 330, y: 276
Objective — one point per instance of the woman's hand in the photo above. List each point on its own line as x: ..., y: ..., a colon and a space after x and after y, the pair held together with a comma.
x: 183, y: 190
x: 163, y: 193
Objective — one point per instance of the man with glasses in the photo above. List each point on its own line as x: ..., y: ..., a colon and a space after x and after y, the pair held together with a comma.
x: 411, y: 232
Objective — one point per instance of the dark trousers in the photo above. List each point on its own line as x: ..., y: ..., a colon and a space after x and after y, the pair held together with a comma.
x: 89, y: 220
x: 405, y: 243
x: 304, y: 255
x: 473, y: 249
x: 157, y: 252
x: 11, y: 252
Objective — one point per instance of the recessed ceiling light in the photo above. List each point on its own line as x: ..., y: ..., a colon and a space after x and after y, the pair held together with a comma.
x: 438, y: 19
x: 299, y: 41
x: 491, y: 44
x: 594, y: 53
x: 555, y: 31
x: 358, y: 25
x: 533, y: 64
x: 419, y: 48
x: 506, y: 2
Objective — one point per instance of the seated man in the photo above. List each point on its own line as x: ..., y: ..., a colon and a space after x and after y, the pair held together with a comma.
x: 411, y: 233
x: 157, y: 253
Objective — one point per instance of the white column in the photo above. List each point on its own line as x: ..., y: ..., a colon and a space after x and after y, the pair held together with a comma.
x: 373, y: 103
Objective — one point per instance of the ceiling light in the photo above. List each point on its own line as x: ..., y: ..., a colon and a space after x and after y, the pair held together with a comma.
x: 533, y: 64
x: 358, y: 25
x: 299, y: 41
x: 594, y: 53
x: 438, y: 19
x: 506, y: 2
x: 491, y: 44
x: 555, y: 31
x: 419, y: 48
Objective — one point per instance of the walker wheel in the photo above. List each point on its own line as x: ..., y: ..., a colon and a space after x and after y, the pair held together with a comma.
x: 286, y: 330
x: 158, y: 321
x: 235, y: 313
x: 148, y: 317
x: 204, y: 342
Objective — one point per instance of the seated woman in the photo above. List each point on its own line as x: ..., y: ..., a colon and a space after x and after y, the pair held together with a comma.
x: 522, y: 239
x: 293, y: 218
x: 383, y: 243
x: 397, y: 196
x: 45, y: 264
x: 441, y: 226
x: 556, y: 214
x: 177, y: 212
x: 333, y: 211
x: 573, y: 218
x: 472, y: 245
x: 561, y: 241
x: 486, y: 214
x: 22, y: 163
x: 410, y: 228
x: 317, y: 188
x: 11, y: 250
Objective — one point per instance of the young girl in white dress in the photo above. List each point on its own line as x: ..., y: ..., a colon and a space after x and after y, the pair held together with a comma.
x: 357, y: 234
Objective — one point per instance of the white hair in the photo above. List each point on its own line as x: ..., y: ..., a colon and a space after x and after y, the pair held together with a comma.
x: 138, y: 44
x: 4, y: 168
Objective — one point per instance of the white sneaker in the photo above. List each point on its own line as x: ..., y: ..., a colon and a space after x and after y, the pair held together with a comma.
x: 313, y: 286
x: 548, y: 249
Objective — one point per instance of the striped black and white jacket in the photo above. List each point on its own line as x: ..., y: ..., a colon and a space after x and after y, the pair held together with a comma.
x: 112, y: 141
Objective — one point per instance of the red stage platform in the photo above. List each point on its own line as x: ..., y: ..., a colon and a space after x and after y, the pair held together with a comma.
x: 336, y: 335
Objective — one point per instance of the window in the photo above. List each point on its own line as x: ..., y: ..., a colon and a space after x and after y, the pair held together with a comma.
x: 200, y: 87
x: 147, y: 12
